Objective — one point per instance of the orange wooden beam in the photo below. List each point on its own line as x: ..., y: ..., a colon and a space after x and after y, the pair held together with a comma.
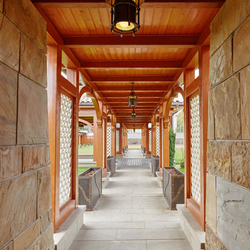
x: 138, y: 94
x: 131, y: 64
x: 146, y: 4
x: 137, y: 109
x: 173, y: 41
x: 124, y: 101
x: 151, y: 78
x: 153, y: 88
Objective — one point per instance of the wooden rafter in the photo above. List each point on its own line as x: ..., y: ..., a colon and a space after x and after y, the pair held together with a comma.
x: 150, y: 78
x: 172, y: 41
x: 154, y: 88
x: 146, y: 4
x: 131, y: 64
x: 138, y: 94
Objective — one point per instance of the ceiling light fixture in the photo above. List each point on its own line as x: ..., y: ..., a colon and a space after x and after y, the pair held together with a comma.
x: 133, y: 114
x: 125, y: 16
x: 132, y: 99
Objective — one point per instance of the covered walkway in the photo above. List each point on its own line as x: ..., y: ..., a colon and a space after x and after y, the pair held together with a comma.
x: 132, y: 213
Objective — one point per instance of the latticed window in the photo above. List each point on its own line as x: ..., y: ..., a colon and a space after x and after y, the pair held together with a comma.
x: 65, y: 149
x: 117, y: 140
x: 108, y: 140
x: 103, y: 142
x: 157, y: 140
x: 195, y: 148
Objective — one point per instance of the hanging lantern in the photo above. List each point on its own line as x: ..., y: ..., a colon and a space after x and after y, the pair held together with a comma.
x: 132, y: 99
x: 134, y: 128
x: 133, y: 114
x: 125, y: 16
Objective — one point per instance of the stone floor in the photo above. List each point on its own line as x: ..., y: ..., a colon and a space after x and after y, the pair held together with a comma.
x: 132, y: 213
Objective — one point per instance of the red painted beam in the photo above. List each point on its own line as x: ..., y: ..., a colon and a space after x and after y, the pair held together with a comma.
x: 155, y: 88
x: 151, y: 78
x: 173, y: 41
x: 141, y: 100
x: 146, y: 4
x: 131, y: 64
x: 138, y: 94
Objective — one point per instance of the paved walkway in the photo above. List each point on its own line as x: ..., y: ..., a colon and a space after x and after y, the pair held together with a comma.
x: 132, y: 213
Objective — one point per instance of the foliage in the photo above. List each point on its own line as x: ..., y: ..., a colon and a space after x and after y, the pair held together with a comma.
x: 82, y: 169
x: 172, y: 136
x: 179, y: 158
x: 178, y: 155
x: 182, y: 170
x: 85, y: 150
x: 180, y: 122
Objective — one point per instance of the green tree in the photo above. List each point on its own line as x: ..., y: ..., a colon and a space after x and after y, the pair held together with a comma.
x: 172, y: 136
x: 180, y: 122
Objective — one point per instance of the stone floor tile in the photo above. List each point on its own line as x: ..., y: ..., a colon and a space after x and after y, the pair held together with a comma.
x: 150, y: 234
x: 109, y: 245
x: 98, y: 234
x: 113, y: 225
x: 168, y: 245
x: 132, y: 210
x: 106, y: 217
x: 132, y: 213
x: 162, y: 225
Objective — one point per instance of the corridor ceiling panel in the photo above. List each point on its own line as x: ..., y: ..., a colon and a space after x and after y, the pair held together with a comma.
x: 171, y: 33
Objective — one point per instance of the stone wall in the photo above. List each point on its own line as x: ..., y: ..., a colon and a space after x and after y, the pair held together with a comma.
x: 228, y: 166
x: 25, y: 202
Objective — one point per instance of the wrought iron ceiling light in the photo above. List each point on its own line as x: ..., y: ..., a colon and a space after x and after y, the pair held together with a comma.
x: 125, y: 16
x: 132, y: 99
x: 133, y: 114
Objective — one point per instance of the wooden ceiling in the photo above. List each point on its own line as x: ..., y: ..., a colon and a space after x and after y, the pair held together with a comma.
x: 171, y: 34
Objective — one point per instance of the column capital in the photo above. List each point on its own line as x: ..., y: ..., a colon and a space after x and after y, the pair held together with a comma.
x: 99, y: 124
x: 166, y: 124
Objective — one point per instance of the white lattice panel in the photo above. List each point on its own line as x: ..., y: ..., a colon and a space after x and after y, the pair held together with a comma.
x: 65, y: 149
x: 195, y: 148
x: 108, y: 141
x: 150, y: 139
x: 117, y: 140
x: 162, y: 142
x: 157, y: 140
x: 103, y: 143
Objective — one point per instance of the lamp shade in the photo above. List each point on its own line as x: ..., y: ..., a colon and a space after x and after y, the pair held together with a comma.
x: 125, y: 18
x: 133, y: 114
x: 132, y: 99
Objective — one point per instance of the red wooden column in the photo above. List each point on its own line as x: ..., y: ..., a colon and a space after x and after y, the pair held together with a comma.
x: 58, y: 85
x: 95, y: 138
x: 120, y: 139
x: 98, y: 143
x: 142, y: 137
x: 194, y: 88
x: 113, y: 135
x: 147, y: 139
x: 165, y: 140
x: 161, y: 139
x: 153, y: 136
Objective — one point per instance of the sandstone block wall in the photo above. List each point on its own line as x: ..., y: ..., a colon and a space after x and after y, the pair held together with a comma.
x: 25, y: 195
x: 228, y: 156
